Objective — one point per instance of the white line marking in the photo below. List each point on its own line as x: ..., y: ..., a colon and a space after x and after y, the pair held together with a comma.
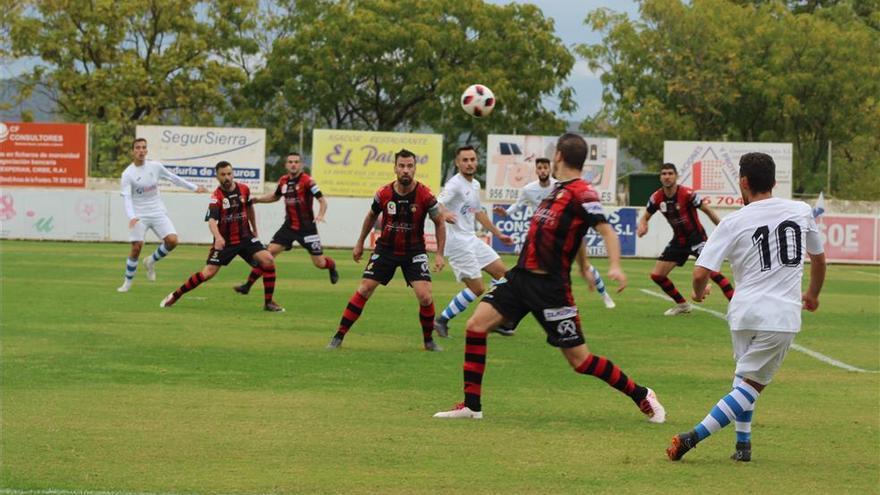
x: 867, y: 273
x: 797, y: 347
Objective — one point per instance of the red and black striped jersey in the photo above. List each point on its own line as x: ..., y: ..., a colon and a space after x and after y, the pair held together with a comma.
x: 680, y: 211
x: 229, y: 209
x: 558, y: 227
x: 403, y: 219
x: 298, y: 193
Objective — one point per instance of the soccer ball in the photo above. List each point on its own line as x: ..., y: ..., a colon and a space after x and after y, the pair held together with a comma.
x: 478, y: 100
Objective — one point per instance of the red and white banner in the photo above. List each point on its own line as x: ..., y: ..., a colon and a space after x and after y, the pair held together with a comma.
x: 850, y: 238
x: 34, y: 154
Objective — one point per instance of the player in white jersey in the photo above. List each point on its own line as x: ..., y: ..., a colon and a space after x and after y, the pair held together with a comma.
x: 765, y: 242
x: 145, y: 210
x: 467, y: 254
x: 531, y: 195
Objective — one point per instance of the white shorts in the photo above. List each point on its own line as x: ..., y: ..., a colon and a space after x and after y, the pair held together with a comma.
x: 161, y: 226
x: 759, y: 354
x: 468, y: 257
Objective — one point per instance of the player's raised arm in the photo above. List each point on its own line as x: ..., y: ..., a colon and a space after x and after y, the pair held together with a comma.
x: 704, y: 205
x: 179, y: 181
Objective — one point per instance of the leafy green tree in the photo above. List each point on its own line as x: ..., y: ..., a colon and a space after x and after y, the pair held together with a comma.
x: 715, y: 70
x: 401, y: 65
x: 120, y: 63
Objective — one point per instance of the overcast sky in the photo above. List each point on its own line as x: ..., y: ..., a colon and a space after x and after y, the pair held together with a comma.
x: 568, y: 16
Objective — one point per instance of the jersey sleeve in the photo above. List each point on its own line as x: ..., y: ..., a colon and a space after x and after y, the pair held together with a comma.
x: 214, y: 206
x: 814, y: 238
x: 520, y: 203
x: 447, y: 194
x: 592, y: 207
x: 176, y: 179
x: 652, y: 205
x: 313, y: 187
x: 278, y: 188
x: 695, y: 199
x: 126, y: 196
x: 717, y: 248
x: 376, y: 207
x: 430, y: 202
x: 245, y: 194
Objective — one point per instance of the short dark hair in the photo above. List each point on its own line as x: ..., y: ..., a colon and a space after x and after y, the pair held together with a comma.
x: 760, y: 170
x: 669, y: 166
x: 137, y: 140
x: 222, y: 164
x: 542, y: 160
x: 466, y: 147
x: 573, y: 149
x: 294, y: 153
x: 404, y: 153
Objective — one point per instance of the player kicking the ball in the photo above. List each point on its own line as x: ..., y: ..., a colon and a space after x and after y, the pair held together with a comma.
x: 233, y: 224
x: 540, y: 284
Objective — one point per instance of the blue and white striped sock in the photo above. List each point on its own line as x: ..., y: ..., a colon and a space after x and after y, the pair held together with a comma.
x: 131, y: 266
x: 160, y: 252
x: 600, y: 284
x: 458, y: 304
x: 740, y: 400
x: 743, y: 421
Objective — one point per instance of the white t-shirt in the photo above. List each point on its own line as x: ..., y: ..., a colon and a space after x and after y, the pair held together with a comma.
x: 140, y: 189
x: 531, y: 195
x: 766, y: 243
x: 462, y: 197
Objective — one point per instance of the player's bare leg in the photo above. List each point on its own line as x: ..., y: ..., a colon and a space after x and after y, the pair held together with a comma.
x: 266, y: 263
x: 484, y: 319
x: 168, y: 244
x: 660, y: 277
x: 324, y: 262
x: 584, y: 362
x: 257, y: 271
x: 422, y: 290
x: 353, y: 310
x: 131, y: 265
x: 191, y: 283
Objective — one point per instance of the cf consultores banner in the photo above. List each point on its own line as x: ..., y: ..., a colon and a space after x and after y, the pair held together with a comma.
x: 37, y: 154
x: 192, y: 152
x: 712, y: 168
x: 510, y: 164
x: 357, y: 163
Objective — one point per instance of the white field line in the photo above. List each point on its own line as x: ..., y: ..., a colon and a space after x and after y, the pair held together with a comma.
x: 797, y: 347
x: 867, y: 273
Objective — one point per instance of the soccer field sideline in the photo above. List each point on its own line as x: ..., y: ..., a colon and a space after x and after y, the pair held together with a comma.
x: 795, y: 346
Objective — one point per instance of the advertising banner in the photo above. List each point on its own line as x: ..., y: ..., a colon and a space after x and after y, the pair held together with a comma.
x: 36, y: 154
x: 192, y: 152
x: 357, y: 163
x: 56, y: 215
x: 850, y: 238
x: 510, y: 164
x: 623, y: 220
x: 712, y: 168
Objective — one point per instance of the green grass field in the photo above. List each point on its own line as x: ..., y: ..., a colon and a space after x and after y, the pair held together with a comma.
x: 104, y: 391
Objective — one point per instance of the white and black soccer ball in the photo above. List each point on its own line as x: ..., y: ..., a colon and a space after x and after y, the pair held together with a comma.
x: 478, y: 100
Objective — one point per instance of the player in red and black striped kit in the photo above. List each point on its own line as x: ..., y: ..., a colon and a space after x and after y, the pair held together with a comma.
x: 404, y: 204
x: 233, y: 224
x: 679, y: 205
x: 300, y: 223
x: 540, y: 284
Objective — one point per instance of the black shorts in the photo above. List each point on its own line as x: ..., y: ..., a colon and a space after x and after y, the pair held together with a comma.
x: 680, y: 254
x: 306, y: 238
x: 247, y: 248
x: 381, y: 267
x: 547, y: 297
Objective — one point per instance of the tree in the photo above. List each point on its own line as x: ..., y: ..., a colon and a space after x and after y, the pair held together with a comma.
x: 119, y: 63
x: 715, y: 70
x: 401, y: 65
